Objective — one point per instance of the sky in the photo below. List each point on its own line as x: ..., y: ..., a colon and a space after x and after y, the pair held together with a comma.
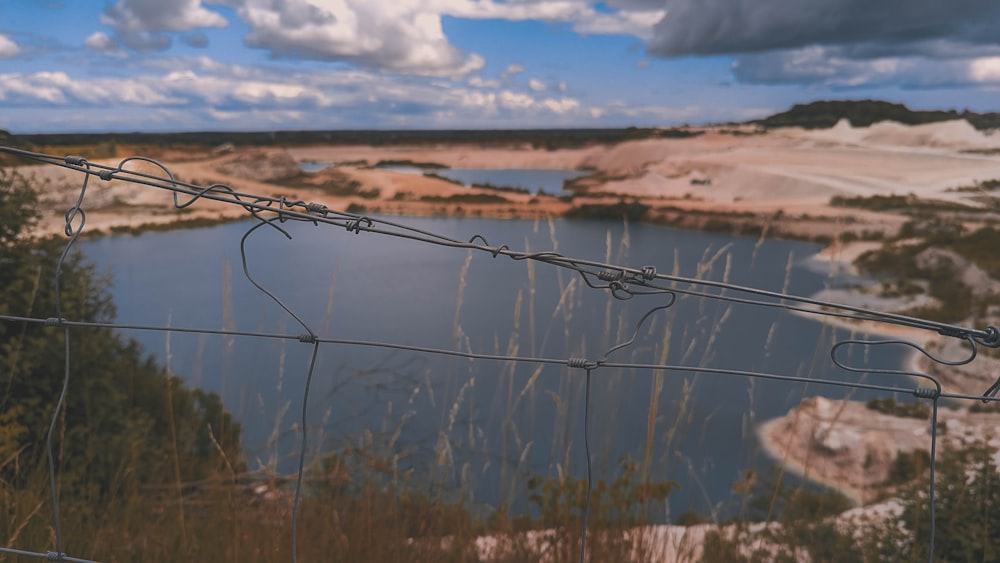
x: 259, y: 65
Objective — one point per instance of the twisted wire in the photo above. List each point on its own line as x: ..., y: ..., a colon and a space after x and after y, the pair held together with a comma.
x: 623, y: 283
x: 48, y: 555
x: 73, y: 232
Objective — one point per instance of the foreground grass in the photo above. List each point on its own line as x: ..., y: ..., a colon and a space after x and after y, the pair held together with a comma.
x: 340, y: 519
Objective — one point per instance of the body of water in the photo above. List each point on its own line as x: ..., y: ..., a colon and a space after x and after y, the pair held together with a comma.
x: 533, y: 180
x: 483, y: 426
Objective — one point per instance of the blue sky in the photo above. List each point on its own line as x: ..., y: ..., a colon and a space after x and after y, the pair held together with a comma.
x: 183, y: 65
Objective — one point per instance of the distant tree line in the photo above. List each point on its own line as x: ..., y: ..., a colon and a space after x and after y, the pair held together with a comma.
x: 862, y: 113
x: 542, y: 139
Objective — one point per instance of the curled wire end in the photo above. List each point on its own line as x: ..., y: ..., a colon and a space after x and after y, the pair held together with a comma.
x: 992, y: 338
x: 620, y: 291
x: 355, y: 226
x: 496, y: 251
x: 926, y: 392
x: 648, y: 272
x: 992, y: 391
x: 75, y: 160
x: 480, y: 238
x: 106, y: 175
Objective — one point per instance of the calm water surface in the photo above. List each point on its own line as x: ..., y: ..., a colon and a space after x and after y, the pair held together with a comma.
x: 483, y: 425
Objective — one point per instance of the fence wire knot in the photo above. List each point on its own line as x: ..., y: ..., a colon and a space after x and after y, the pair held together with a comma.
x: 53, y: 321
x: 317, y: 208
x: 926, y: 393
x: 582, y: 363
x: 610, y: 275
x: 949, y: 331
x: 307, y: 338
x: 53, y: 556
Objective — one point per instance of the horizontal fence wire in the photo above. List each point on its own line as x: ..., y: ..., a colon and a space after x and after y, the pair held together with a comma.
x: 621, y: 282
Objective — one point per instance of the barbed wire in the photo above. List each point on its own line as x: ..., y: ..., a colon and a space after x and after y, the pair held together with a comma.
x: 621, y: 282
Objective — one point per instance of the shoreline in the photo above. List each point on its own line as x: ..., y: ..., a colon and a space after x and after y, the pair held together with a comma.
x: 796, y: 467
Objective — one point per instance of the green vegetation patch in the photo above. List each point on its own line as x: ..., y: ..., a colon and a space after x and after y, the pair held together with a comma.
x: 465, y: 198
x: 984, y: 186
x: 411, y: 163
x: 630, y: 211
x: 908, y: 203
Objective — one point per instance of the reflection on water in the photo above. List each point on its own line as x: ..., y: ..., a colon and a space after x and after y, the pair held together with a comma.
x: 481, y: 426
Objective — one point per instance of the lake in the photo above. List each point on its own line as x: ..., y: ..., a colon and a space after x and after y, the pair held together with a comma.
x: 482, y: 426
x: 534, y: 180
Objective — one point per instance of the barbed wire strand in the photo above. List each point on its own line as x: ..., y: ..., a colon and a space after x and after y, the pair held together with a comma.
x: 286, y: 210
x: 618, y: 280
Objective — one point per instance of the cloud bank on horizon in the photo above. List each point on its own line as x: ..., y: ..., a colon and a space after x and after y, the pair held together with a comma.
x: 357, y: 64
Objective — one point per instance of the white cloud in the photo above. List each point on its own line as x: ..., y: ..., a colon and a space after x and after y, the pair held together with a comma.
x: 835, y: 67
x: 58, y: 88
x: 516, y: 100
x: 406, y: 36
x: 536, y: 85
x: 562, y: 105
x: 99, y: 41
x: 985, y: 70
x: 142, y: 24
x: 479, y: 82
x: 200, y: 93
x: 8, y: 48
x: 512, y: 69
x: 628, y: 19
x: 394, y: 35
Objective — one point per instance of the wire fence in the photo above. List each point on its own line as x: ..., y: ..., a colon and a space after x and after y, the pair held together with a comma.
x: 621, y: 282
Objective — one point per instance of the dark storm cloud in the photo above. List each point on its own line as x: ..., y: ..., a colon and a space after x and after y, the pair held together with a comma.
x: 711, y: 27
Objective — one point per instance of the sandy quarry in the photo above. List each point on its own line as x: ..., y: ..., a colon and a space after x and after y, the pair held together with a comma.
x: 784, y: 178
x: 791, y: 170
